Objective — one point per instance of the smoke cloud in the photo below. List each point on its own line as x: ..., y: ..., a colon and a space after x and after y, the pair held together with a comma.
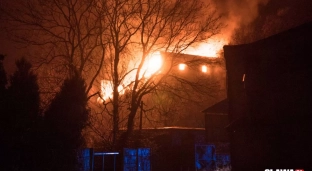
x: 237, y: 13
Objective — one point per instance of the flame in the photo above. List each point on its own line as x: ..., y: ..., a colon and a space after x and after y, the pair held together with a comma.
x: 151, y: 66
x: 211, y: 48
x: 107, y: 89
x: 154, y: 62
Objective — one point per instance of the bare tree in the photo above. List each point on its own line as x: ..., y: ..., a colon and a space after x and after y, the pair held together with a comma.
x: 181, y: 97
x: 139, y: 28
x: 75, y: 36
x: 65, y: 37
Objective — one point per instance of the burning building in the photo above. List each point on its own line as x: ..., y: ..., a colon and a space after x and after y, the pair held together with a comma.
x: 189, y: 84
x: 197, y: 81
x: 269, y: 92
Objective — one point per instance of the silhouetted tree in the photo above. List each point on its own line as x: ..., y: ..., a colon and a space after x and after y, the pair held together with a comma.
x: 137, y: 30
x: 109, y: 40
x: 3, y: 82
x: 3, y: 78
x: 24, y: 96
x: 3, y: 114
x: 66, y: 34
x: 20, y: 114
x: 65, y: 119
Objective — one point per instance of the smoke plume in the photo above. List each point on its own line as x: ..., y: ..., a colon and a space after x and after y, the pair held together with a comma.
x: 237, y: 13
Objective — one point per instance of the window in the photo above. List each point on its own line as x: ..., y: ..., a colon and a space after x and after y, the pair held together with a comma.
x: 182, y: 67
x: 204, y: 68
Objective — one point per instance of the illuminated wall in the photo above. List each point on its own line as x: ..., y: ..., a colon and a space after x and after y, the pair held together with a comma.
x: 202, y: 84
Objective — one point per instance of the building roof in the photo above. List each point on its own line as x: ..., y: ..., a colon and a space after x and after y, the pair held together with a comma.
x: 192, y: 58
x: 168, y: 128
x: 220, y: 107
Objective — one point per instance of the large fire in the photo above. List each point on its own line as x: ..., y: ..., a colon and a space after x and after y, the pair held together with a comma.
x: 211, y: 48
x: 154, y: 63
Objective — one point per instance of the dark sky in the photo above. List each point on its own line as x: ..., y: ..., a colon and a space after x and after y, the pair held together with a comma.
x: 288, y: 12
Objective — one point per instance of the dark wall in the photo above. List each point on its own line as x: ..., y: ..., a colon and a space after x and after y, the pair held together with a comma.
x: 172, y: 148
x: 215, y: 127
x: 270, y: 110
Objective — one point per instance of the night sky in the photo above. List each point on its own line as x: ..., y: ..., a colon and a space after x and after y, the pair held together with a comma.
x: 236, y: 14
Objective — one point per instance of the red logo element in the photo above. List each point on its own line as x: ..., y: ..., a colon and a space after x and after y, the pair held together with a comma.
x: 299, y: 170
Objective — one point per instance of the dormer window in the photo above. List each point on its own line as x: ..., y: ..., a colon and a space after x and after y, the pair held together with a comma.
x: 182, y: 67
x: 204, y: 69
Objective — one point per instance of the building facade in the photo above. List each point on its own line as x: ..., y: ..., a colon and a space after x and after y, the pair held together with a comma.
x: 270, y: 98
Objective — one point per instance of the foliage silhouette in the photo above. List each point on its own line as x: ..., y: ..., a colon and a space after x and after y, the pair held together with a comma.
x: 19, y: 115
x: 68, y: 114
x: 64, y: 120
